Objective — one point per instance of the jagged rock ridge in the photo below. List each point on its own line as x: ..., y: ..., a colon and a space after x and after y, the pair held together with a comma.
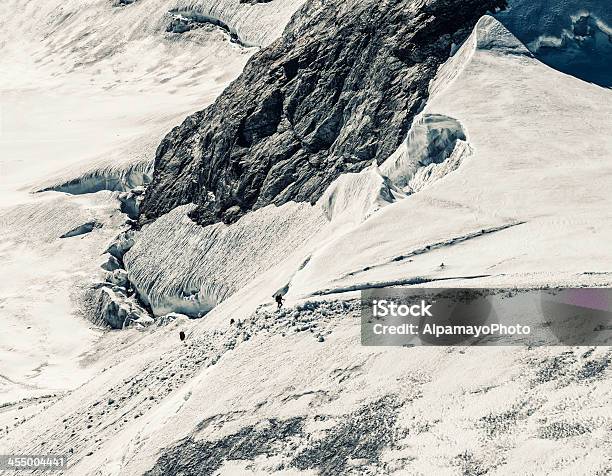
x: 338, y: 90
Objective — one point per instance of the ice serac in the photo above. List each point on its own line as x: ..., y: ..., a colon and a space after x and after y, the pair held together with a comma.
x: 113, y: 177
x: 354, y: 197
x: 431, y: 140
x: 337, y: 91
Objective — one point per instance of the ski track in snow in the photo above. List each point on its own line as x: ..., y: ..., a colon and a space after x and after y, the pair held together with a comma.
x: 441, y: 244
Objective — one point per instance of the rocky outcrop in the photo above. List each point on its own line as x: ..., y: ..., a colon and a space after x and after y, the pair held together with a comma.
x: 82, y: 229
x: 117, y: 310
x: 130, y: 202
x: 337, y: 91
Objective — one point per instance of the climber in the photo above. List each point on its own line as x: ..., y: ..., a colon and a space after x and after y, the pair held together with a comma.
x: 182, y: 336
x: 279, y: 300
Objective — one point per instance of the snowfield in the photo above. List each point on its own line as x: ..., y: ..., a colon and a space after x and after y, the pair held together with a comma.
x: 87, y: 91
x: 504, y: 178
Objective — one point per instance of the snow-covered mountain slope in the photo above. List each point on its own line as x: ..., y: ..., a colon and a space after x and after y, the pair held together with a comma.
x: 87, y: 90
x: 207, y: 159
x: 178, y: 266
x: 85, y: 60
x: 294, y: 391
x: 539, y: 170
x: 42, y: 340
x: 323, y: 100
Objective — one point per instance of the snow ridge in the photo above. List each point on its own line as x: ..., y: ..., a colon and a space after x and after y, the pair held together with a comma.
x: 489, y: 34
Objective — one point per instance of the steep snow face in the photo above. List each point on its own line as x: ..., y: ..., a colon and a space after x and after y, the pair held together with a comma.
x: 573, y: 36
x: 506, y: 209
x: 177, y: 265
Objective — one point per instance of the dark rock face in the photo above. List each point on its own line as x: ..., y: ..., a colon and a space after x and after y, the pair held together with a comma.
x: 337, y: 91
x: 361, y: 435
x: 205, y: 458
x: 82, y: 229
x: 584, y: 51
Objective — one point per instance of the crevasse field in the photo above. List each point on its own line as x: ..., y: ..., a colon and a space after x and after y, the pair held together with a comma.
x: 88, y: 90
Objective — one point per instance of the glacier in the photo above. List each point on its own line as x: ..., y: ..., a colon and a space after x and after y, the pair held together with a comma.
x: 503, y: 177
